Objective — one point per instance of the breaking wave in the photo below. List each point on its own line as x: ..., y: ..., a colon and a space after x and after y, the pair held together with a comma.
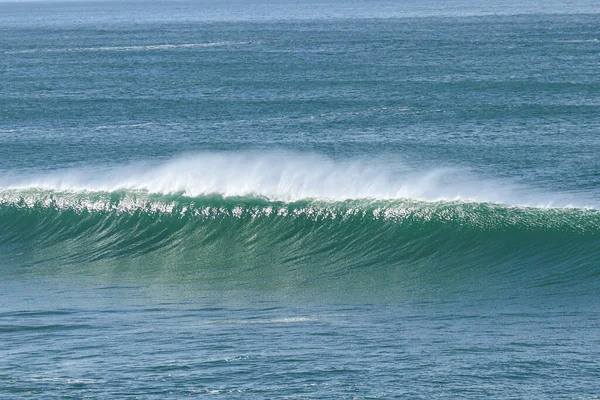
x: 307, y: 219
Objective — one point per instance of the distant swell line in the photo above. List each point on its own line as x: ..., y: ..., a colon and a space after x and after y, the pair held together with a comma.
x: 130, y: 48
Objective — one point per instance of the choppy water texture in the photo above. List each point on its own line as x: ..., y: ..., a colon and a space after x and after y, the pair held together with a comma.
x: 299, y: 199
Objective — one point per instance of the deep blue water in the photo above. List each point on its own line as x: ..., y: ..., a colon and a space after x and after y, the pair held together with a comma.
x: 351, y: 199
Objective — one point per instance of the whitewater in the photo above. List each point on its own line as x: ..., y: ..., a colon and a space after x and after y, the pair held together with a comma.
x: 287, y: 177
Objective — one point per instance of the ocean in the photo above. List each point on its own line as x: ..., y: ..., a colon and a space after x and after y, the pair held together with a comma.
x: 300, y: 199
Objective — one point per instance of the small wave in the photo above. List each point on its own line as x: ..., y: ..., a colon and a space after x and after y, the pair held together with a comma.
x: 579, y: 41
x: 121, y: 126
x: 289, y: 320
x: 131, y: 48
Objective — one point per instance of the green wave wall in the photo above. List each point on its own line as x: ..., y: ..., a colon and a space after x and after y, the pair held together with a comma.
x: 403, y: 244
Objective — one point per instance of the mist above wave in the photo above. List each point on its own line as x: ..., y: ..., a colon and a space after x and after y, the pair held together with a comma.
x: 287, y: 176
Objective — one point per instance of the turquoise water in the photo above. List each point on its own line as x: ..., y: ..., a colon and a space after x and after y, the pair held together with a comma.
x: 299, y: 199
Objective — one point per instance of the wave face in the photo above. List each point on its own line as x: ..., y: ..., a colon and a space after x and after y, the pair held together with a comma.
x: 404, y: 244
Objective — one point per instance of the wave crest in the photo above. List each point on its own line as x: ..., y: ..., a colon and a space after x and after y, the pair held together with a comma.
x: 280, y: 176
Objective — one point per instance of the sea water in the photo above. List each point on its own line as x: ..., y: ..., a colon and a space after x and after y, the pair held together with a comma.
x: 307, y: 199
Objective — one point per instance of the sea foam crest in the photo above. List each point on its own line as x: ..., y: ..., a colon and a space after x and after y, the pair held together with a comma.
x: 286, y: 176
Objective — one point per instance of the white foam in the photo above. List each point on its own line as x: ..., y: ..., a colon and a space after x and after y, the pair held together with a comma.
x: 286, y: 176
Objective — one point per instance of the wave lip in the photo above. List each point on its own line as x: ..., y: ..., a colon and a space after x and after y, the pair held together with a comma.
x: 461, y: 214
